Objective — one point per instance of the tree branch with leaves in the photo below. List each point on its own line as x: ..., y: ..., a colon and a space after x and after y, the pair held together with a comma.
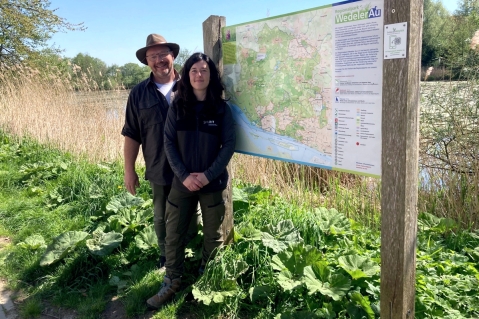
x: 25, y: 28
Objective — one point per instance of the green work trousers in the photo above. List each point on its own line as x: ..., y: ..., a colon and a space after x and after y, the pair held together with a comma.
x: 180, y: 209
x: 160, y: 196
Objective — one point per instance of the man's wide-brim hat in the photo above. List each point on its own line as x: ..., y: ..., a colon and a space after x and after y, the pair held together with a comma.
x: 153, y: 40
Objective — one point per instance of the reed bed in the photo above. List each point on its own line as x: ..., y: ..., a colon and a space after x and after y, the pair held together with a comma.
x: 45, y: 107
x: 84, y: 121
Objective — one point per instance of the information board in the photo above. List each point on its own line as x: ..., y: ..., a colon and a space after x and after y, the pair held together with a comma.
x: 306, y: 87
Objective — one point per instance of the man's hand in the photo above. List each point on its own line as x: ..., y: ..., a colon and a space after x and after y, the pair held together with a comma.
x: 131, y: 181
x: 202, y: 178
x: 192, y: 183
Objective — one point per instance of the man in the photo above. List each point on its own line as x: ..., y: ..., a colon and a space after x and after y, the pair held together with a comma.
x: 145, y: 118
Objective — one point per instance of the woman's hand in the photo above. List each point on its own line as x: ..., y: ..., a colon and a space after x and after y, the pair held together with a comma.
x: 202, y: 178
x: 193, y: 183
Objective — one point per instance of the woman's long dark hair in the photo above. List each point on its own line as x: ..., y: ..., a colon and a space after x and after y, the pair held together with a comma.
x: 214, y: 91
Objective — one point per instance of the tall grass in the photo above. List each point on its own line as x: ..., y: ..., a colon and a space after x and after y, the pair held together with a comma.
x: 87, y: 122
x: 358, y: 197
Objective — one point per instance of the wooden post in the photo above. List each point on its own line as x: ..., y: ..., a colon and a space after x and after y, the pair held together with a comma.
x: 400, y: 145
x: 213, y: 48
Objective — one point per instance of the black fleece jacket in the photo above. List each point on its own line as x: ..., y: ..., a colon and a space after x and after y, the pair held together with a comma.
x: 198, y: 142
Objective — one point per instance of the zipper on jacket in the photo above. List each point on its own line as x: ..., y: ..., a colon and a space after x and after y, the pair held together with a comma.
x: 197, y: 141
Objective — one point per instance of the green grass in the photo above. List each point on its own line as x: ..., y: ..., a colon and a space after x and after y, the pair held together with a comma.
x: 31, y: 308
x: 289, y: 259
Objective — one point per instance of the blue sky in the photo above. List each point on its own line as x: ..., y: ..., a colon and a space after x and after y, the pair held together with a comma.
x: 116, y: 29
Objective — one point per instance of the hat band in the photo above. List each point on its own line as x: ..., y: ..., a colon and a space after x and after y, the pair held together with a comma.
x: 156, y: 43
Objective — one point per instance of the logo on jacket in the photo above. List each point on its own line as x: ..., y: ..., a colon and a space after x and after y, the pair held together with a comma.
x: 210, y: 123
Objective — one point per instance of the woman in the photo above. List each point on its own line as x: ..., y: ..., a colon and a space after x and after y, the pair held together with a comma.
x: 199, y: 142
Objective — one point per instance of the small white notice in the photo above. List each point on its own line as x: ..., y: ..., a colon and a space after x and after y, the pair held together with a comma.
x: 395, y: 40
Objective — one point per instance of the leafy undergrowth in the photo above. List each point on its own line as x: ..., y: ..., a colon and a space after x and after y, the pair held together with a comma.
x: 78, y: 238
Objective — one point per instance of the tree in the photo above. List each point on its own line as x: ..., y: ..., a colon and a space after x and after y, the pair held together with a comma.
x: 25, y: 27
x: 467, y: 8
x: 180, y: 60
x: 448, y: 39
x: 435, y: 32
x: 132, y: 74
x: 91, y: 72
x: 466, y: 23
x: 113, y: 75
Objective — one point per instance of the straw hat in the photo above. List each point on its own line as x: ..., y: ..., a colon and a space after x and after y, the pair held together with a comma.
x: 154, y: 40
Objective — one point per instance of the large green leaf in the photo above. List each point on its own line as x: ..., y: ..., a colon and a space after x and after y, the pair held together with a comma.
x: 474, y: 254
x: 33, y: 242
x: 360, y: 307
x: 291, y: 263
x: 248, y: 232
x: 358, y: 266
x: 235, y: 269
x: 295, y: 258
x: 287, y: 280
x: 326, y: 312
x: 60, y: 247
x: 259, y: 292
x: 280, y: 236
x: 130, y: 219
x: 318, y: 279
x: 239, y: 195
x: 331, y: 222
x: 240, y: 199
x: 427, y: 221
x: 273, y: 243
x: 207, y: 297
x: 147, y: 238
x: 102, y: 244
x: 124, y: 200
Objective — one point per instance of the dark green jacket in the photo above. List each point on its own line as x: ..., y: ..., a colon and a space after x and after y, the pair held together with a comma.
x: 145, y: 117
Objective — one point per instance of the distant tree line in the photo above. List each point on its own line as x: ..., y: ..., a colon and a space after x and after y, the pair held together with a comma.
x: 450, y: 40
x: 85, y: 69
x: 25, y: 28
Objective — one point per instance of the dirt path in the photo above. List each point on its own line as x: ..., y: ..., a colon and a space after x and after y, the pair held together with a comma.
x: 7, y: 309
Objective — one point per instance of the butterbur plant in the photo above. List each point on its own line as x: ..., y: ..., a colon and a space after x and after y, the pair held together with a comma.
x: 219, y: 283
x: 288, y: 260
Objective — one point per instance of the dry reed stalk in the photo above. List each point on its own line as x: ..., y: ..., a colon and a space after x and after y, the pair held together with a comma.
x: 475, y: 41
x: 428, y: 72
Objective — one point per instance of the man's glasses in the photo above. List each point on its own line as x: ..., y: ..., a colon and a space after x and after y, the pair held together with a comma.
x: 153, y: 57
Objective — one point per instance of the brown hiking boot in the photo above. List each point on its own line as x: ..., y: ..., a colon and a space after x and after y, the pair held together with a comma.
x: 166, y: 293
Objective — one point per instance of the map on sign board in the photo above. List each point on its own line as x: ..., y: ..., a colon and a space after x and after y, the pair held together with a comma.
x: 306, y: 87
